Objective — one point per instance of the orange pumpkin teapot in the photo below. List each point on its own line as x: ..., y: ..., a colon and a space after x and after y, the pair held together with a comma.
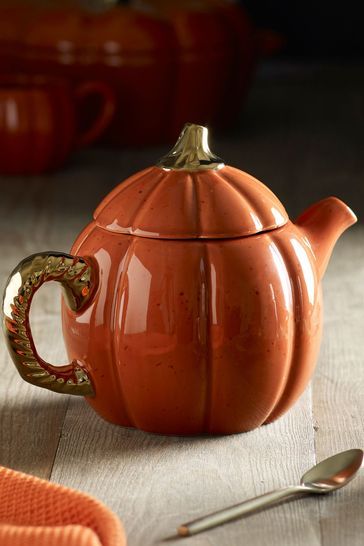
x: 192, y: 302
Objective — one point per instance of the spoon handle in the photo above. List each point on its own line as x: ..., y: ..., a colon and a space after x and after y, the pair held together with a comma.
x: 242, y: 509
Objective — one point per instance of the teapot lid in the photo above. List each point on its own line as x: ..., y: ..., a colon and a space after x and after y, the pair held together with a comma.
x: 191, y: 194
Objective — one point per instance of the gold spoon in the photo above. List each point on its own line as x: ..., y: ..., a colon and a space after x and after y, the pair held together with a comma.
x: 325, y: 477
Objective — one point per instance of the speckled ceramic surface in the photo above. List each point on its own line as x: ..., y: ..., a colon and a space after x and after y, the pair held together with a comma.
x: 203, y: 311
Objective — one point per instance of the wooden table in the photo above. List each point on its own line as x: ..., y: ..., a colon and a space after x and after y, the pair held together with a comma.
x: 302, y: 135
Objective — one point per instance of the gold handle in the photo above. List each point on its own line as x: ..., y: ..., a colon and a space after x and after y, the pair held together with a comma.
x: 76, y: 276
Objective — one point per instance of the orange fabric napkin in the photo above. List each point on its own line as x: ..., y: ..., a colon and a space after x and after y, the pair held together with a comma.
x: 35, y: 512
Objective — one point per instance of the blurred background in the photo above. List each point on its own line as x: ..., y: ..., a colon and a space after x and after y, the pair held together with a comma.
x: 93, y: 90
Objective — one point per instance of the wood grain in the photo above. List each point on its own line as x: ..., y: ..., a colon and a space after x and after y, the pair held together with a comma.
x: 338, y: 404
x: 302, y: 134
x: 155, y: 482
x: 31, y: 419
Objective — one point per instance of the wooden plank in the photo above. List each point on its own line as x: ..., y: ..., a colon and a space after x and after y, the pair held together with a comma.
x: 31, y: 419
x: 338, y: 402
x: 156, y: 482
x: 36, y: 214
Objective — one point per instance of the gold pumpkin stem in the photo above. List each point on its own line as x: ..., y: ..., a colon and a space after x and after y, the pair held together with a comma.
x: 191, y: 151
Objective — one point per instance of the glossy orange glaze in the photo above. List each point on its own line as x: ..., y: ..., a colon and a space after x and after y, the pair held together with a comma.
x: 199, y: 333
x: 184, y: 205
x: 193, y: 302
x: 215, y: 336
x: 38, y: 122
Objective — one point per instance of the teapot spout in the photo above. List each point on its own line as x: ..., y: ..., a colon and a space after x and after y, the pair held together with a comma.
x: 323, y: 223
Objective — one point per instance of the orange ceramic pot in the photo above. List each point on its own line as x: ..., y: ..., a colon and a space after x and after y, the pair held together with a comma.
x: 193, y: 302
x: 39, y: 125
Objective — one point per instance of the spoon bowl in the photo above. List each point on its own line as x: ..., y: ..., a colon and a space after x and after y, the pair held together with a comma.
x: 334, y: 472
x: 325, y: 477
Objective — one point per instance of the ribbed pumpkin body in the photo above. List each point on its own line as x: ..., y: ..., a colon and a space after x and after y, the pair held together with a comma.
x: 190, y: 337
x: 207, y: 332
x: 192, y: 303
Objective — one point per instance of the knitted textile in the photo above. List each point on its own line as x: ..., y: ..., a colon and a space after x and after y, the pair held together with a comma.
x: 35, y: 512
